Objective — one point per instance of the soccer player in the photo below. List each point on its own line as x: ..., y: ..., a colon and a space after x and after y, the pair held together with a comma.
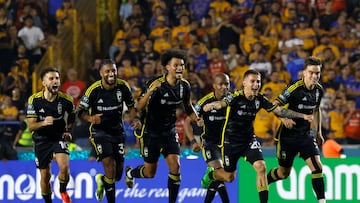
x: 50, y: 115
x: 297, y: 136
x: 238, y: 137
x: 211, y: 137
x: 102, y: 106
x: 158, y: 134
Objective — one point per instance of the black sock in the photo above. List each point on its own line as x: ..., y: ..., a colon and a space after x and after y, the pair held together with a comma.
x: 109, y: 186
x: 138, y: 172
x: 318, y: 185
x: 63, y: 184
x: 273, y: 176
x: 264, y: 196
x: 211, y: 191
x: 173, y: 186
x: 47, y: 197
x: 221, y: 188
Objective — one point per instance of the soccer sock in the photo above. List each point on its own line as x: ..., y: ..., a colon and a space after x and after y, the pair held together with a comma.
x: 211, y: 175
x: 109, y: 185
x: 263, y: 194
x: 138, y: 172
x: 211, y: 191
x: 173, y: 186
x: 47, y: 197
x: 317, y: 181
x: 273, y: 176
x: 63, y: 184
x: 222, y: 192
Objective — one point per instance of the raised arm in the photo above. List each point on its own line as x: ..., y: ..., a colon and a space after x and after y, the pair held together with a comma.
x: 145, y: 98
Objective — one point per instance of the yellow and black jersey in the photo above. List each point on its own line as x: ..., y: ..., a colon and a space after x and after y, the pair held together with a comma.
x: 302, y: 100
x: 240, y: 115
x: 213, y: 120
x: 159, y: 114
x: 110, y: 103
x: 38, y: 107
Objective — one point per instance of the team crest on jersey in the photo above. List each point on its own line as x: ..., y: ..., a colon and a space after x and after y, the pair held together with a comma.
x: 59, y: 108
x: 118, y: 95
x: 162, y: 101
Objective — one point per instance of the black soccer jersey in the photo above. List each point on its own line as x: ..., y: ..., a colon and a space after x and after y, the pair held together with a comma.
x: 302, y: 100
x: 240, y: 115
x: 38, y: 107
x: 213, y: 120
x: 159, y: 115
x: 110, y: 103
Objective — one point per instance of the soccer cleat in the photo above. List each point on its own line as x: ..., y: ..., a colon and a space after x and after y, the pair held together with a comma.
x: 100, y: 187
x: 128, y: 181
x: 65, y: 197
x: 205, y: 181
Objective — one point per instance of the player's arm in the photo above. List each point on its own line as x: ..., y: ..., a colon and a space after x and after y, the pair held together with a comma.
x: 85, y: 116
x: 215, y: 105
x: 287, y: 113
x: 317, y: 124
x: 33, y: 124
x: 190, y: 135
x: 143, y: 101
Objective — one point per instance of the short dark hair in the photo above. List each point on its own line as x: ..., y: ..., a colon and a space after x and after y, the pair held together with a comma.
x: 47, y: 70
x: 106, y: 62
x: 312, y: 61
x: 251, y: 72
x: 172, y: 53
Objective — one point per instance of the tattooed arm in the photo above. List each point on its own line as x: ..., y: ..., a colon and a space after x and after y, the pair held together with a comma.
x: 287, y: 113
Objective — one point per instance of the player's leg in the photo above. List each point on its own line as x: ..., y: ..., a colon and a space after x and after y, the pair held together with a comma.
x: 62, y: 159
x: 212, y: 155
x: 150, y: 150
x: 43, y: 154
x: 255, y: 157
x: 174, y: 177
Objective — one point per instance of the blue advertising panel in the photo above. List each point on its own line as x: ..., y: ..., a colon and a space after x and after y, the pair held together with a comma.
x: 19, y: 182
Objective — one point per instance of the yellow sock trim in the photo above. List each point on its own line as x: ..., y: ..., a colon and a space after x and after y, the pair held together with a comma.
x: 262, y: 188
x: 108, y: 180
x: 316, y: 175
x: 273, y: 174
x: 142, y: 171
x: 176, y: 177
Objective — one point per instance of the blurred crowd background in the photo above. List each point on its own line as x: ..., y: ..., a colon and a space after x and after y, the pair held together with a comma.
x: 231, y: 36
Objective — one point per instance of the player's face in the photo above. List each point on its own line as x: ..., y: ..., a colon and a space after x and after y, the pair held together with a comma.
x: 252, y: 84
x: 108, y: 74
x: 311, y: 75
x: 221, y: 85
x: 176, y: 68
x: 51, y: 82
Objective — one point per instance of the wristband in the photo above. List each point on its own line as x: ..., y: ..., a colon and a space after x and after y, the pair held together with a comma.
x: 193, y: 141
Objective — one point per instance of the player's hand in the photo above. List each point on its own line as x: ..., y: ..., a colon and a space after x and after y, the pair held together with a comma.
x: 67, y: 136
x: 95, y: 119
x: 208, y: 107
x: 196, y: 147
x: 288, y: 123
x: 309, y: 118
x: 200, y: 122
x: 136, y: 123
x: 49, y: 120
